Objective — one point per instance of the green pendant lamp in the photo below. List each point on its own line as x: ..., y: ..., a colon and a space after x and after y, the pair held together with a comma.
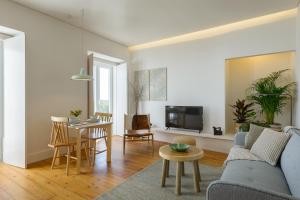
x: 82, y: 76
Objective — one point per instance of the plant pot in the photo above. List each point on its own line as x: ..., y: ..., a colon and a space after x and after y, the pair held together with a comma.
x: 74, y: 120
x: 237, y: 126
x: 276, y: 126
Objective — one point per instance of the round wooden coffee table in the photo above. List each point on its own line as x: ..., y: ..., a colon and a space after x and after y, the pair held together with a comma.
x: 194, y: 154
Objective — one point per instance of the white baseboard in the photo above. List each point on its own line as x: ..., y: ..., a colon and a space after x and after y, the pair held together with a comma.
x: 38, y: 156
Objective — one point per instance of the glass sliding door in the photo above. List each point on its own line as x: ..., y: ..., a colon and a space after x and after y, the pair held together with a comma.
x: 103, y: 87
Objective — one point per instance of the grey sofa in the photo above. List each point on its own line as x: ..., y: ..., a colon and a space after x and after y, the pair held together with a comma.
x: 258, y: 180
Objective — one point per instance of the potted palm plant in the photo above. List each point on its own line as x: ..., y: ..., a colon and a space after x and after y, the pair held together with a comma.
x: 244, y: 113
x: 271, y: 96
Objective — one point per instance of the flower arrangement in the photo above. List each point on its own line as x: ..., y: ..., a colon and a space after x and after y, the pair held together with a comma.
x: 75, y: 113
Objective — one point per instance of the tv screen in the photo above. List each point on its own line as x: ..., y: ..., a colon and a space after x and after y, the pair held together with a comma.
x: 185, y: 117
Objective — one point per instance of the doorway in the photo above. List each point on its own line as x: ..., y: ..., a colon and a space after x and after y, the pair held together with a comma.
x: 12, y: 97
x: 108, y: 90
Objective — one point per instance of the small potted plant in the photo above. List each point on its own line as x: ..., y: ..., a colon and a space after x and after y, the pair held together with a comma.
x: 271, y: 96
x: 74, y: 116
x: 243, y: 112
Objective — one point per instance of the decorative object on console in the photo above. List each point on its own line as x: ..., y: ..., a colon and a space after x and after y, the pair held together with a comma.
x: 271, y: 96
x: 217, y: 130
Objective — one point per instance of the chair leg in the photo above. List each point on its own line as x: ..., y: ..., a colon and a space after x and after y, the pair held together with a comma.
x: 87, y: 154
x: 105, y: 142
x: 152, y: 145
x: 68, y: 160
x: 54, y: 157
x: 94, y: 151
x: 124, y: 141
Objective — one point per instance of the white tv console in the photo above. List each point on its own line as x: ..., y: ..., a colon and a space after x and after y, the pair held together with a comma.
x: 208, y: 141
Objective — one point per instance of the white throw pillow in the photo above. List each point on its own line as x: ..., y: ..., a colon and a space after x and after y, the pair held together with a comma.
x: 269, y: 145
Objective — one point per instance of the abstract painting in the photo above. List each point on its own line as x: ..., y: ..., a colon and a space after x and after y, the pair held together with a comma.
x: 158, y: 84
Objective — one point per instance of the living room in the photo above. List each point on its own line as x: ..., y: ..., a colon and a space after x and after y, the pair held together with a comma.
x: 174, y: 68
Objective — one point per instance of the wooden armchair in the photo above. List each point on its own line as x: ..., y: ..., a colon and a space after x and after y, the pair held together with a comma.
x: 140, y: 130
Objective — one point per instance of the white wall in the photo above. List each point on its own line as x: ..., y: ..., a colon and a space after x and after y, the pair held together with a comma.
x: 53, y: 54
x: 1, y: 97
x: 242, y: 72
x: 297, y: 72
x: 196, y: 69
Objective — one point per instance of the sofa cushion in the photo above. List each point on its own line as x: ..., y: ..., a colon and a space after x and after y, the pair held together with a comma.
x: 254, y: 133
x: 269, y: 145
x: 290, y: 163
x: 239, y: 153
x: 256, y: 174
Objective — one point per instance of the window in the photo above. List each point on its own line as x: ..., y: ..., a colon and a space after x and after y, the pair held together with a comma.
x: 103, y: 88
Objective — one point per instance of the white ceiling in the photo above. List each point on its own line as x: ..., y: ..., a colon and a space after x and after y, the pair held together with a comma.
x: 132, y: 22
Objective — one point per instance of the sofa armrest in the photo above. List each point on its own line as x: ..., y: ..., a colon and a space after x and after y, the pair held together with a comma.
x: 221, y: 190
x: 239, y: 138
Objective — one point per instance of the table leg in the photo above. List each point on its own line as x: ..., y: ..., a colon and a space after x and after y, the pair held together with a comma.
x: 164, y: 172
x: 182, y: 169
x: 196, y: 176
x: 178, y: 178
x: 168, y: 169
x: 78, y: 152
x: 198, y: 170
x: 109, y: 134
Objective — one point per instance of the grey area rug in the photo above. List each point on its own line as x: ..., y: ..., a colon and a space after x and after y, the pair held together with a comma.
x: 145, y: 185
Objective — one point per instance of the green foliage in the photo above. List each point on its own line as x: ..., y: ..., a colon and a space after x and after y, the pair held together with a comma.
x: 243, y: 111
x: 75, y: 113
x: 104, y: 106
x: 270, y: 96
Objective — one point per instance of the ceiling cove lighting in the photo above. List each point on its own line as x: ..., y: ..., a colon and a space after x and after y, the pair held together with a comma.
x: 219, y: 30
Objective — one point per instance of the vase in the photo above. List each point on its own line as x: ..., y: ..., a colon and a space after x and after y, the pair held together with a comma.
x: 74, y: 120
x: 276, y: 126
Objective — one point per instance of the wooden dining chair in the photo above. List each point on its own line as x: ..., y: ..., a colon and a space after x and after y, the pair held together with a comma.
x: 140, y: 132
x: 60, y: 138
x: 93, y: 135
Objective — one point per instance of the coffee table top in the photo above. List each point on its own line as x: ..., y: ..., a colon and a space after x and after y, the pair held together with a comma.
x: 193, y: 153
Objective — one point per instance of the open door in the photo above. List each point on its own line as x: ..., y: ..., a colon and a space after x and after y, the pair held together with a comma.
x: 14, y: 140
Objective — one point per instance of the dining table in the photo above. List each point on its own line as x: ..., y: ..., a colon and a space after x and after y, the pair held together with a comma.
x: 80, y: 130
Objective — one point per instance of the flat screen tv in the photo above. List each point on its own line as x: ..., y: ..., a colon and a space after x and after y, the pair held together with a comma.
x: 184, y: 117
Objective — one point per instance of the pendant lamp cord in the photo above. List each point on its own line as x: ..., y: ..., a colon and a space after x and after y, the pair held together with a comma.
x: 82, y: 27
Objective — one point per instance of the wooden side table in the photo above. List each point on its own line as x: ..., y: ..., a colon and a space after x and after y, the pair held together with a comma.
x: 193, y: 155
